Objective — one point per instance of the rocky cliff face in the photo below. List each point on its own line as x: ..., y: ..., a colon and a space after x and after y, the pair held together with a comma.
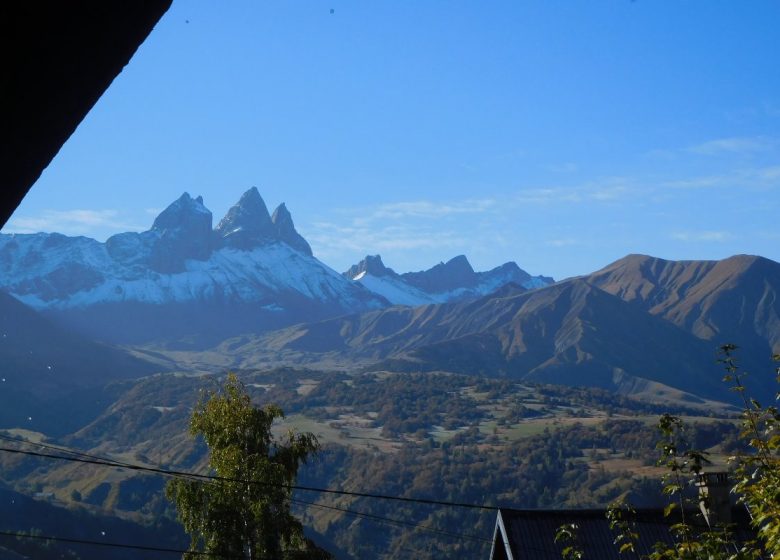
x: 247, y: 224
x: 285, y: 232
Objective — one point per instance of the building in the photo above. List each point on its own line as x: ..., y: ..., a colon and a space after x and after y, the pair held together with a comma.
x: 530, y: 534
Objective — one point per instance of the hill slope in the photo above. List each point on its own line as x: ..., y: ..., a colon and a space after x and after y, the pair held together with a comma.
x: 571, y: 333
x: 52, y: 378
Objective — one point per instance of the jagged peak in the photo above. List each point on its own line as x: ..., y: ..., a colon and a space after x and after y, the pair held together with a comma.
x: 370, y: 264
x: 286, y: 232
x: 247, y: 223
x: 181, y: 211
x: 249, y: 212
x: 459, y: 263
x: 281, y: 215
x: 510, y: 266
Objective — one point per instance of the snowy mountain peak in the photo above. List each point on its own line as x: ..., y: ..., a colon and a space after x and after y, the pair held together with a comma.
x: 454, y: 280
x: 247, y: 224
x: 285, y: 230
x: 181, y: 277
x: 183, y: 231
x: 371, y: 264
x: 183, y: 212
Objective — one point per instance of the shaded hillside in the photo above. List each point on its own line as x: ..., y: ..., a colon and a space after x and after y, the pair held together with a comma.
x: 23, y: 514
x: 734, y: 300
x: 570, y: 333
x: 640, y: 325
x: 43, y: 366
x: 575, y: 334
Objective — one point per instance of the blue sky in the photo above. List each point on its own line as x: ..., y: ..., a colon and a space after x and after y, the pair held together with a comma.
x: 561, y: 135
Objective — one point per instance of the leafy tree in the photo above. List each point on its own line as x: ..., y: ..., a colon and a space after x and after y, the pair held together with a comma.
x: 757, y: 486
x: 244, y: 512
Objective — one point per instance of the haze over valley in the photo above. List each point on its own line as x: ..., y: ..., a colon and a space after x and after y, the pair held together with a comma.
x: 490, y: 248
x: 106, y: 345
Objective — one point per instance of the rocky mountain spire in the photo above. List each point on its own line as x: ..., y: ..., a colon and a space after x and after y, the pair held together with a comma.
x: 247, y: 224
x: 184, y: 230
x: 184, y: 212
x: 285, y: 230
x: 371, y: 264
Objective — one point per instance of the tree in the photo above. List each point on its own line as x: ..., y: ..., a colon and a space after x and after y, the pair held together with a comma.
x: 756, y: 485
x: 244, y: 512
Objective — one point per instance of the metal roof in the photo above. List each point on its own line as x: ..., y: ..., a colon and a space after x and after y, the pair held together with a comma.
x: 530, y: 534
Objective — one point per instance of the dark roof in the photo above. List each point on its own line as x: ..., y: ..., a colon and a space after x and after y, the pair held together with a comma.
x: 530, y: 534
x: 59, y: 59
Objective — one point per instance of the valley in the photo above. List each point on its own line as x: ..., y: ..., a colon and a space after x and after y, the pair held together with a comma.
x: 486, y: 441
x: 484, y: 388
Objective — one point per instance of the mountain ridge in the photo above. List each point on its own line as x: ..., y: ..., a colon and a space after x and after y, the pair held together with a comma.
x: 454, y: 280
x: 252, y: 270
x: 617, y: 328
x: 186, y: 280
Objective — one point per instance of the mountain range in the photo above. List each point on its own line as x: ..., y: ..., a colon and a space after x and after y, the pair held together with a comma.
x: 454, y: 280
x: 250, y: 293
x: 184, y: 280
x: 355, y: 358
x: 641, y: 325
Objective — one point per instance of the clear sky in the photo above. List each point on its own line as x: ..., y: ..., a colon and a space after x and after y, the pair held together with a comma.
x: 559, y: 134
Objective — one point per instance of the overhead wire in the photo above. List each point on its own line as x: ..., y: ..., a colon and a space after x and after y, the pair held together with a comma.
x: 391, y: 521
x: 82, y: 457
x: 113, y: 545
x: 175, y: 473
x: 62, y: 449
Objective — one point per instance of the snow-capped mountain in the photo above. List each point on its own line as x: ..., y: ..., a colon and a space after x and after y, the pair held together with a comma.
x: 454, y: 280
x: 252, y: 271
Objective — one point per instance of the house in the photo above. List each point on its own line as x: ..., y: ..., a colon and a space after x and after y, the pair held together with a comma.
x: 530, y: 534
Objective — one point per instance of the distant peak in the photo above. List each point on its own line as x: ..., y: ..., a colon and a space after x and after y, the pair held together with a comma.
x: 252, y: 205
x: 184, y: 232
x: 371, y: 264
x: 285, y: 230
x: 281, y: 214
x: 180, y: 211
x: 455, y: 273
x: 459, y: 263
x: 247, y: 223
x: 510, y: 265
x: 251, y: 194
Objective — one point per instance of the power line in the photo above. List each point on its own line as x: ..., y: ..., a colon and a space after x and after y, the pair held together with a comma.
x: 174, y: 473
x: 93, y: 459
x: 113, y: 545
x: 103, y: 461
x: 392, y: 521
x: 61, y: 449
x: 100, y: 461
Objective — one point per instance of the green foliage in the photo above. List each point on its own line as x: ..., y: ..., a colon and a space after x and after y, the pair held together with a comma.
x: 568, y: 535
x: 757, y: 485
x: 758, y: 474
x: 619, y: 514
x: 246, y: 512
